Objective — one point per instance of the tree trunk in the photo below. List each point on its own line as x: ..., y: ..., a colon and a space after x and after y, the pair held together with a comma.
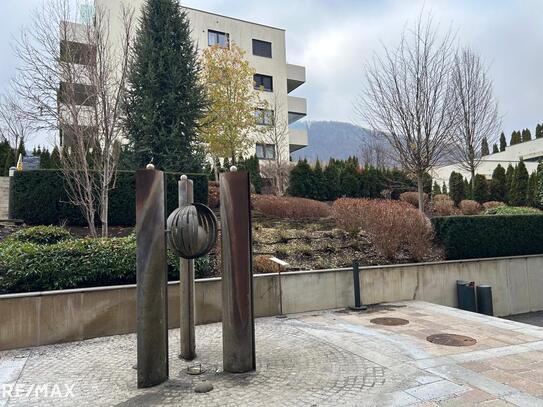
x: 216, y: 169
x: 420, y: 185
x: 105, y: 215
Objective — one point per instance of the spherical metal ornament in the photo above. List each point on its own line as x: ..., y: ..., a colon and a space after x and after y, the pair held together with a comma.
x: 192, y: 230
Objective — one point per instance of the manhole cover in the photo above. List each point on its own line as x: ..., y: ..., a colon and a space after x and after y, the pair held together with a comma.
x: 389, y: 321
x: 451, y: 340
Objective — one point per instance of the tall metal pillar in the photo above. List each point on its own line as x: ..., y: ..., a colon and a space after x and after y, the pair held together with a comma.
x: 152, y: 279
x: 237, y: 275
x: 186, y: 285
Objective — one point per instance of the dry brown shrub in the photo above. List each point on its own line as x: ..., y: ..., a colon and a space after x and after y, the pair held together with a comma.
x: 213, y: 195
x: 469, y: 207
x: 390, y: 224
x: 443, y: 206
x: 493, y: 204
x: 413, y: 198
x: 263, y: 265
x: 290, y: 207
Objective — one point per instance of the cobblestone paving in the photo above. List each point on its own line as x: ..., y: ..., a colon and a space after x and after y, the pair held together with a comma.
x: 314, y: 359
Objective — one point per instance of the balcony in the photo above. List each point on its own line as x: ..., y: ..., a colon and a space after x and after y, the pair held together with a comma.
x: 297, y: 108
x: 295, y: 76
x: 297, y: 138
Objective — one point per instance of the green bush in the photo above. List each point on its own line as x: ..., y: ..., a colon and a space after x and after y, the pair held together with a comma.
x: 75, y: 263
x: 512, y: 210
x: 41, y: 235
x: 39, y: 198
x: 468, y: 237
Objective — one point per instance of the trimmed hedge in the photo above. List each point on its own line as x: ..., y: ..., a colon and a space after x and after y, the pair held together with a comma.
x: 39, y: 198
x: 74, y: 263
x: 469, y: 237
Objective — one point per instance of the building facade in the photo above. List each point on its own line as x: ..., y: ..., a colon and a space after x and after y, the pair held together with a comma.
x: 265, y: 49
x: 531, y: 152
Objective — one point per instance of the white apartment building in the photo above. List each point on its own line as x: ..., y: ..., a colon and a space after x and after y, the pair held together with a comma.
x: 529, y: 151
x: 265, y: 50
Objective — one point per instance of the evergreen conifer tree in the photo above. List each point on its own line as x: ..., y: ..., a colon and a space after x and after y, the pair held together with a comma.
x: 332, y: 176
x: 4, y: 151
x: 503, y: 142
x: 495, y: 149
x: 484, y: 147
x: 21, y: 150
x: 509, y: 174
x: 480, y: 189
x: 444, y: 189
x: 436, y: 190
x: 319, y: 182
x: 10, y: 160
x: 468, y: 189
x: 532, y: 190
x: 519, y: 185
x: 251, y: 165
x: 498, y: 187
x: 526, y: 135
x: 538, y: 131
x: 350, y: 178
x: 165, y: 98
x: 300, y: 180
x: 456, y: 187
x: 54, y: 161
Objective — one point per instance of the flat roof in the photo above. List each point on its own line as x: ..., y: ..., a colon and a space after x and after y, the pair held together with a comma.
x: 232, y: 18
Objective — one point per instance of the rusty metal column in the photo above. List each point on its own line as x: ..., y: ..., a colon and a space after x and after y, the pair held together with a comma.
x: 237, y: 276
x: 152, y: 279
x: 186, y: 285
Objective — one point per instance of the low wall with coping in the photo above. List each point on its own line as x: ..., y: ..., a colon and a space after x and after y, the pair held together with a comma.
x: 32, y: 319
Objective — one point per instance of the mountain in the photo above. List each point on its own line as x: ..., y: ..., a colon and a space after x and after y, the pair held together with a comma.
x: 329, y: 139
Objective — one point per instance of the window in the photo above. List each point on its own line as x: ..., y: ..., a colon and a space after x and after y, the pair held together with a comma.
x: 262, y: 48
x: 264, y: 117
x: 76, y: 94
x: 263, y: 82
x: 265, y: 151
x: 217, y: 38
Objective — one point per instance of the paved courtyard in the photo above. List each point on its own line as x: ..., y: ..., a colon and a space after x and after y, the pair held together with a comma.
x: 327, y: 358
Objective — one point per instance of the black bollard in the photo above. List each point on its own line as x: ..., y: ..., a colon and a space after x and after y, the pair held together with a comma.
x: 356, y: 283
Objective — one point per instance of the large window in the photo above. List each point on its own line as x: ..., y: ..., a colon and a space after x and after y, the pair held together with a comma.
x: 263, y: 82
x: 265, y: 151
x: 76, y: 94
x: 264, y: 117
x: 262, y: 48
x: 217, y: 38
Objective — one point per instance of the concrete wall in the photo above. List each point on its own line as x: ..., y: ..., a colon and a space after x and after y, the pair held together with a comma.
x: 32, y: 319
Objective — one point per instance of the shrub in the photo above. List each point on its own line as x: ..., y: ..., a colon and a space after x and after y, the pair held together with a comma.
x: 39, y: 198
x: 263, y: 265
x: 469, y: 207
x: 467, y: 237
x: 443, y: 206
x: 41, y: 235
x: 512, y: 210
x: 213, y: 197
x: 457, y: 188
x: 289, y: 207
x: 413, y: 198
x: 390, y: 224
x: 74, y: 263
x: 492, y: 204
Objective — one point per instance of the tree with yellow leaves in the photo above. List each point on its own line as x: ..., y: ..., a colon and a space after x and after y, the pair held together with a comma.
x: 230, y: 118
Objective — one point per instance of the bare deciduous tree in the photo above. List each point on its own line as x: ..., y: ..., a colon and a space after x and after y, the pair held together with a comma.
x: 14, y: 124
x: 408, y: 98
x: 275, y: 132
x: 72, y: 77
x: 476, y: 108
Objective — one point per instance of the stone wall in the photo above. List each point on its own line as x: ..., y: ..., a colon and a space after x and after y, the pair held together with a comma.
x: 32, y: 319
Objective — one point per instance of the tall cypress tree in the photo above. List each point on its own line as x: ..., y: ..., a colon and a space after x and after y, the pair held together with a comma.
x: 495, y: 149
x: 538, y: 131
x: 532, y: 190
x: 456, y: 187
x: 484, y: 147
x: 498, y: 184
x: 480, y: 188
x: 526, y: 135
x: 300, y: 180
x: 509, y: 174
x: 503, y: 142
x: 10, y: 160
x: 444, y: 189
x: 165, y: 99
x: 436, y: 189
x: 319, y: 182
x: 4, y: 151
x: 519, y: 185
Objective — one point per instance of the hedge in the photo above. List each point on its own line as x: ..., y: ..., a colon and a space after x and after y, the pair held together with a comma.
x: 468, y: 237
x: 39, y: 198
x: 74, y: 263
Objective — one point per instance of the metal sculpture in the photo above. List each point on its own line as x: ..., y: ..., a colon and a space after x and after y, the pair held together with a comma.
x: 192, y: 233
x: 237, y: 276
x: 152, y: 279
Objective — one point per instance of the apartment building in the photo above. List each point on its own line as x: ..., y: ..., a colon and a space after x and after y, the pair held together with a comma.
x: 265, y: 50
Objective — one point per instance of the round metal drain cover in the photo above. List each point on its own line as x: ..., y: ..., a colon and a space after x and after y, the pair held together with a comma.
x: 451, y: 340
x: 389, y: 321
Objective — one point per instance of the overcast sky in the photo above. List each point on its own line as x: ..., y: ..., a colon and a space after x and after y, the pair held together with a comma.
x: 333, y: 40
